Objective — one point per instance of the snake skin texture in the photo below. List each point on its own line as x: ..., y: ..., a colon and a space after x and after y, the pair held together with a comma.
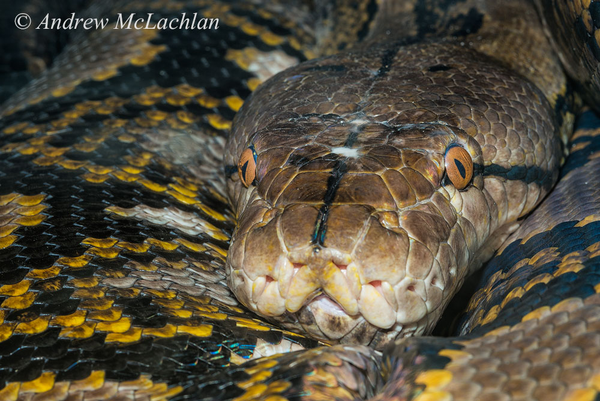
x: 578, y: 41
x: 115, y: 220
x: 351, y: 232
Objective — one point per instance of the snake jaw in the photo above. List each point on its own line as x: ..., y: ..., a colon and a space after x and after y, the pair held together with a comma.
x: 269, y: 302
x: 353, y: 278
x: 375, y: 308
x: 334, y: 299
x: 411, y: 294
x: 258, y: 288
x: 324, y: 318
x: 382, y: 275
x: 388, y: 273
x: 303, y: 284
x: 334, y: 283
x: 287, y: 271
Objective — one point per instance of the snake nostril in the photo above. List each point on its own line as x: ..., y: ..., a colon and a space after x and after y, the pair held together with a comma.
x: 297, y: 265
x: 410, y: 288
x: 269, y: 279
x: 341, y: 267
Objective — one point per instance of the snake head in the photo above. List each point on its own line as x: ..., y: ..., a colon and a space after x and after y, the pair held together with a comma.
x: 369, y: 203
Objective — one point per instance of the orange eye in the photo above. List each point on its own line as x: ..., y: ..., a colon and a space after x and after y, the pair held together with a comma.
x: 459, y: 167
x: 247, y: 166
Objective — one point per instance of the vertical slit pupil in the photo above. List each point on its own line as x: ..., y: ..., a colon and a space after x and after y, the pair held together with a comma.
x: 461, y: 168
x: 244, y: 168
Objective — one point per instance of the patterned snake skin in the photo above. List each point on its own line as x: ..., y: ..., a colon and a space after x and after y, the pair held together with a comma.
x: 117, y: 210
x: 356, y: 142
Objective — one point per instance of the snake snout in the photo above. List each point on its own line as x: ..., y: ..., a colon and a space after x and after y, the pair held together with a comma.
x: 369, y: 273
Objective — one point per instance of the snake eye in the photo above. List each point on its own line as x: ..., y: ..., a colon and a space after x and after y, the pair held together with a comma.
x: 247, y: 166
x: 459, y: 166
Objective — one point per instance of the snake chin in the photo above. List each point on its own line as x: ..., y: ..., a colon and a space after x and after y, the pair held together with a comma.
x: 325, y: 319
x: 333, y: 313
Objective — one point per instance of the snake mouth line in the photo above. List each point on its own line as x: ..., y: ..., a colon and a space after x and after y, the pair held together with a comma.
x: 319, y: 293
x: 336, y: 291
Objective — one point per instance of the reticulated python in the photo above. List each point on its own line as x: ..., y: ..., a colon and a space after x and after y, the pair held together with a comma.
x: 366, y: 186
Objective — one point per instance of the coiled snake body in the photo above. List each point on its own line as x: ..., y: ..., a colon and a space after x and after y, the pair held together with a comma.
x: 365, y: 185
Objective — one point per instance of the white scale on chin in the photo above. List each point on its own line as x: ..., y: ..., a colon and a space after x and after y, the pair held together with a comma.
x: 328, y: 305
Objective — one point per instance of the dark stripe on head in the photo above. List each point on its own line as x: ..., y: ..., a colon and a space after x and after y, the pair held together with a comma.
x: 333, y: 184
x: 387, y: 58
x: 521, y: 173
x: 327, y: 68
x: 352, y: 137
x: 230, y: 170
x: 439, y: 67
x: 297, y: 160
